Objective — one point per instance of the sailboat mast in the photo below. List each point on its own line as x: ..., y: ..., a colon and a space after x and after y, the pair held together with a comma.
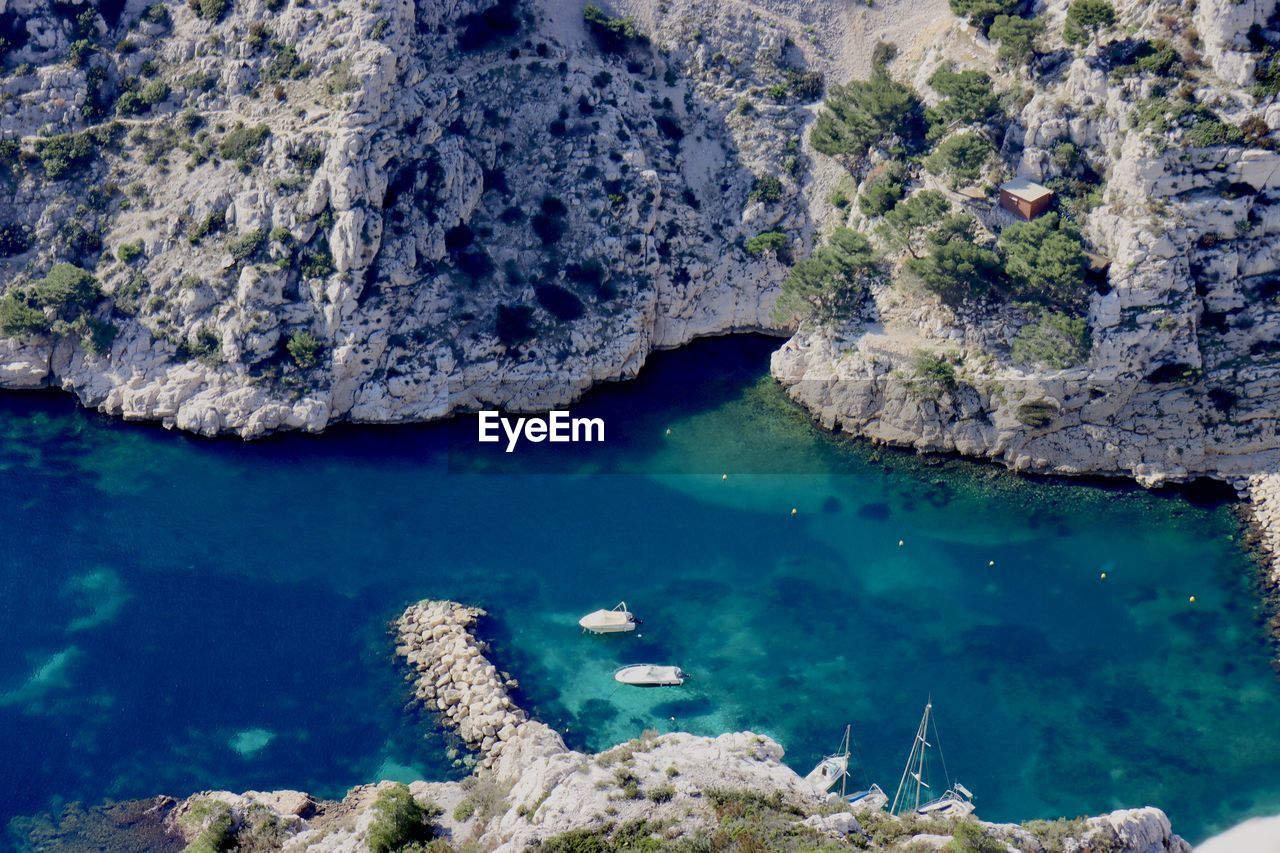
x: 922, y: 736
x: 915, y: 757
x: 844, y: 777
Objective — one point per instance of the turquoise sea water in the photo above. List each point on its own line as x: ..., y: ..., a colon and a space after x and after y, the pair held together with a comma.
x: 178, y: 614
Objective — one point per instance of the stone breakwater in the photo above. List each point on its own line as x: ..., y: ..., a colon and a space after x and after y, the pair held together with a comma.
x: 453, y: 676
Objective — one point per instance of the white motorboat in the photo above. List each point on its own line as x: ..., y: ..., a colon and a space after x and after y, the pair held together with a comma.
x: 614, y: 621
x: 650, y: 675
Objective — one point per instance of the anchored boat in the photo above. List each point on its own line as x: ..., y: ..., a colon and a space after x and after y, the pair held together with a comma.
x: 835, y: 768
x: 650, y: 675
x: 614, y: 621
x: 956, y: 801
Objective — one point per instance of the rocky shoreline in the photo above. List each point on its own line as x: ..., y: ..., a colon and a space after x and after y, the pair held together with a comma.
x: 529, y: 791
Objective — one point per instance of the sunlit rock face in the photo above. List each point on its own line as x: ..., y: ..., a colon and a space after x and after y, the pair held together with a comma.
x: 298, y: 215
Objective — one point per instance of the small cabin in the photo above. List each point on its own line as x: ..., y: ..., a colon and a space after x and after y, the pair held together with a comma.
x: 1025, y: 199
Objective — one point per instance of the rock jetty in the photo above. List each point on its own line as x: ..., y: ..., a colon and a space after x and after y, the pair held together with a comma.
x: 529, y: 789
x: 453, y: 676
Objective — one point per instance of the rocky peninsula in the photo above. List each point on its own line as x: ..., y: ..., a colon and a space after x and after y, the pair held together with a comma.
x: 529, y: 791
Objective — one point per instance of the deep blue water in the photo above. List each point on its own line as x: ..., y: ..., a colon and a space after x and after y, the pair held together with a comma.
x: 179, y: 614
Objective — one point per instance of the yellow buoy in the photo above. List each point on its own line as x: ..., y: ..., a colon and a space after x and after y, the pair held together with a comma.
x: 1102, y: 576
x: 794, y: 510
x: 1192, y: 600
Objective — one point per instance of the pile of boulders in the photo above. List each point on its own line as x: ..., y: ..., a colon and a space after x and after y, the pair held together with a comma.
x: 454, y: 678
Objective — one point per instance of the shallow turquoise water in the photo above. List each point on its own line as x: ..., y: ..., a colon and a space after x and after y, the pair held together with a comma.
x: 179, y: 614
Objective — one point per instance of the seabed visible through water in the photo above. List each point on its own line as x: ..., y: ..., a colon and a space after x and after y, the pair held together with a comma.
x: 182, y: 614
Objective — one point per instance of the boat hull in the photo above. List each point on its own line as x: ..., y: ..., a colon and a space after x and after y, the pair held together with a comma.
x: 650, y: 675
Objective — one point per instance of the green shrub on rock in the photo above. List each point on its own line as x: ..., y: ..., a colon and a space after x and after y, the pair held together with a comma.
x: 962, y: 157
x: 612, y: 35
x: 304, y: 348
x: 157, y: 13
x: 129, y: 104
x: 317, y: 262
x: 398, y: 821
x: 767, y: 188
x: 931, y: 374
x: 968, y: 837
x: 909, y: 223
x: 806, y: 86
x: 827, y: 285
x: 95, y: 335
x: 1016, y: 37
x: 285, y: 64
x: 214, y: 222
x: 14, y: 239
x: 1045, y: 261
x: 19, y: 319
x: 65, y: 154
x: 968, y: 97
x: 1214, y: 131
x: 981, y: 13
x: 204, y: 344
x: 1086, y: 19
x: 861, y: 115
x: 245, y: 246
x: 129, y: 252
x: 154, y: 92
x: 242, y: 144
x: 68, y: 290
x: 1039, y: 413
x: 772, y: 242
x: 956, y: 268
x: 210, y: 10
x: 1056, y: 341
x: 213, y: 824
x: 882, y: 190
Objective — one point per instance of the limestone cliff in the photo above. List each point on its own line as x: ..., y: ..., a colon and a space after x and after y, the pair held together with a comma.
x: 298, y: 213
x: 1181, y: 380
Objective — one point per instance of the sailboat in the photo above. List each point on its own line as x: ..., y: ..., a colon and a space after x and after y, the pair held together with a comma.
x: 835, y: 768
x: 956, y: 801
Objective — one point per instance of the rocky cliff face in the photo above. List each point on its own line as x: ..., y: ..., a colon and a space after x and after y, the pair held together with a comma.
x: 1182, y: 380
x: 440, y: 205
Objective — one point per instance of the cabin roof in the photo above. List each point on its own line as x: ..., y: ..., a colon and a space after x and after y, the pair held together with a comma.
x: 1025, y: 190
